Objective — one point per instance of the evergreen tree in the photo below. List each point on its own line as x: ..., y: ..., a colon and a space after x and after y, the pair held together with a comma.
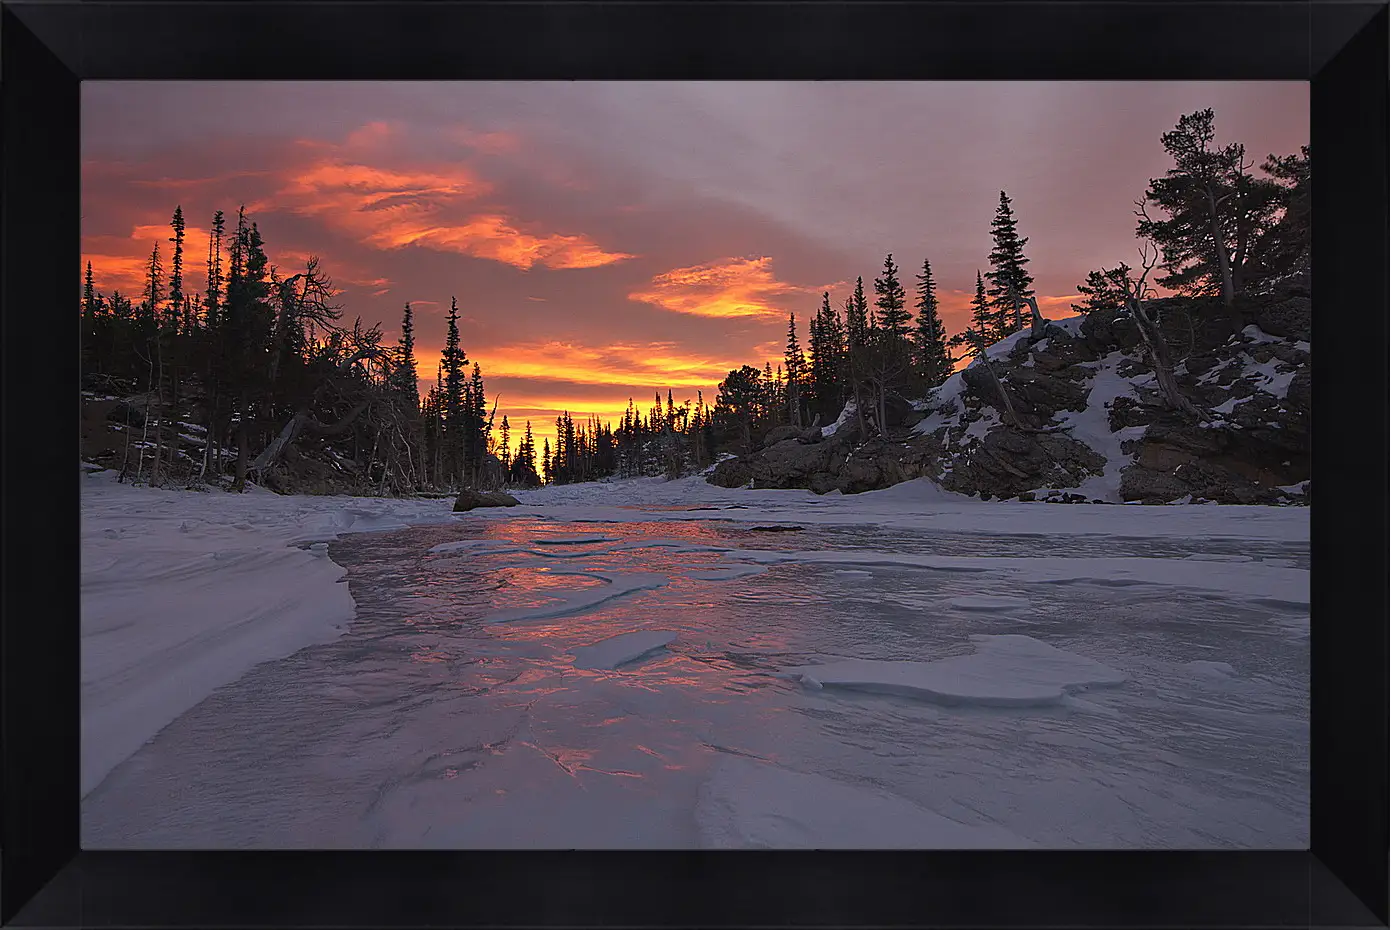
x: 857, y: 318
x: 891, y: 302
x: 796, y: 364
x: 857, y: 347
x: 1106, y: 289
x: 1285, y: 246
x: 212, y: 301
x: 738, y: 403
x: 453, y: 361
x: 176, y: 268
x: 933, y: 356
x: 478, y: 419
x: 984, y: 318
x: 90, y: 333
x: 830, y: 375
x: 546, y: 461
x: 89, y: 294
x: 1217, y: 211
x: 1007, y: 261
x: 405, y: 378
x: 529, y: 449
x: 154, y: 294
x: 505, y: 451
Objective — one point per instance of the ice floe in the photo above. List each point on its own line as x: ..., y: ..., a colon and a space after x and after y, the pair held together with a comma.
x: 619, y: 650
x: 1004, y: 671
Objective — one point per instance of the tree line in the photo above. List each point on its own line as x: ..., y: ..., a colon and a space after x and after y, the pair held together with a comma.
x: 272, y: 359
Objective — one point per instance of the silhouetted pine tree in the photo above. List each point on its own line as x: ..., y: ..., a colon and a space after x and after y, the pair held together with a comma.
x: 1007, y: 261
x: 1217, y: 211
x: 796, y: 364
x: 981, y: 329
x: 406, y: 380
x: 1106, y: 289
x: 891, y: 303
x: 176, y: 269
x: 930, y: 338
x: 212, y: 302
x: 456, y: 411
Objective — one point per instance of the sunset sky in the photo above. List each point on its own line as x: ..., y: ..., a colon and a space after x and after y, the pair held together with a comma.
x: 606, y: 240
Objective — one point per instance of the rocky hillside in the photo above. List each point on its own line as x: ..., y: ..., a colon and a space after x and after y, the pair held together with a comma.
x: 1088, y: 422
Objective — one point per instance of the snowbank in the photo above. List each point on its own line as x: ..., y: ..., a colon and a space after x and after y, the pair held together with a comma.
x: 918, y: 505
x: 1004, y: 671
x: 184, y: 592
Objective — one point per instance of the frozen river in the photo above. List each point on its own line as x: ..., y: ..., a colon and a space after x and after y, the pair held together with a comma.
x: 479, y: 697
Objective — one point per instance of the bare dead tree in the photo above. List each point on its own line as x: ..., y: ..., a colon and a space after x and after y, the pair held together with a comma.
x: 1038, y: 327
x: 1155, y: 345
x: 984, y: 357
x: 360, y: 345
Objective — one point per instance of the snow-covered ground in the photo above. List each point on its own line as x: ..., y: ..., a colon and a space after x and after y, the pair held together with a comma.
x: 183, y: 592
x: 911, y: 668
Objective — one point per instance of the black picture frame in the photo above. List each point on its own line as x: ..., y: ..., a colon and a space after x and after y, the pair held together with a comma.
x: 46, y: 49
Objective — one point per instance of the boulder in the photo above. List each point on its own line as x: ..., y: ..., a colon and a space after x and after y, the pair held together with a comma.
x: 1009, y: 462
x: 469, y: 499
x: 1104, y: 331
x: 779, y: 433
x: 731, y: 473
x: 1150, y: 486
x: 1289, y: 317
x: 789, y: 464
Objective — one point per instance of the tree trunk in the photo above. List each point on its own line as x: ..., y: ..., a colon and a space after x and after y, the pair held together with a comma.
x: 884, y: 407
x: 155, y: 476
x: 999, y: 385
x: 1038, y: 324
x: 1158, y: 351
x: 145, y: 426
x: 301, y: 422
x: 1224, y: 261
x: 243, y: 443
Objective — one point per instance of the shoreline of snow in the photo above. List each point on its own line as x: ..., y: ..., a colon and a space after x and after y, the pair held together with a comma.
x: 920, y: 504
x: 184, y: 592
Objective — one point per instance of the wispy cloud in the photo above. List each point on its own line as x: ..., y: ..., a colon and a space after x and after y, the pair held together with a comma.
x: 729, y: 287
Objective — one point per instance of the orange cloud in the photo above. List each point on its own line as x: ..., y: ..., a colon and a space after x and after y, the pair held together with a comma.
x: 491, y: 236
x: 124, y: 273
x: 392, y: 209
x: 725, y: 288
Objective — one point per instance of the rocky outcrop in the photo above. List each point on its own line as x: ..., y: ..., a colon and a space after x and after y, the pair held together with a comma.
x: 1008, y: 463
x: 468, y: 500
x: 1085, y: 379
